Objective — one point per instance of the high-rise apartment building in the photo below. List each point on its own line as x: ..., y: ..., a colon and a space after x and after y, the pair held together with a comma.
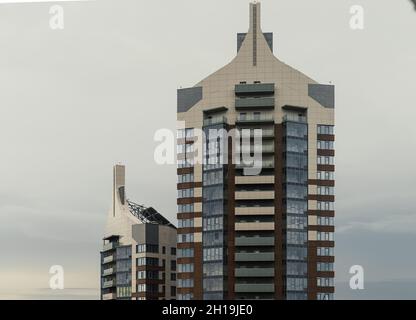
x: 138, y: 259
x: 268, y: 235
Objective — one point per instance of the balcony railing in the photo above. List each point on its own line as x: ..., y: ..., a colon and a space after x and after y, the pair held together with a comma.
x: 108, y: 259
x: 255, y: 118
x: 255, y: 88
x: 254, y: 272
x: 254, y: 103
x: 214, y: 121
x: 295, y: 118
x: 109, y: 271
x: 254, y: 287
x: 109, y: 246
x: 109, y: 284
x: 109, y: 296
x: 255, y: 256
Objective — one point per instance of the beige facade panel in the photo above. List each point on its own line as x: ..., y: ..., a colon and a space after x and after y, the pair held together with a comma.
x: 313, y: 235
x: 198, y: 237
x: 254, y: 180
x: 256, y: 226
x: 313, y: 220
x: 254, y: 195
x: 252, y: 211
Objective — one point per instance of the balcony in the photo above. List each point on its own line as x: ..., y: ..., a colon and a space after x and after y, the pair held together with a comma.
x: 254, y: 241
x: 255, y: 88
x: 294, y: 118
x: 254, y: 180
x: 254, y: 287
x: 109, y: 246
x: 254, y: 272
x: 255, y: 256
x: 109, y: 271
x: 255, y: 103
x: 109, y: 284
x: 108, y: 259
x: 214, y: 121
x: 261, y: 118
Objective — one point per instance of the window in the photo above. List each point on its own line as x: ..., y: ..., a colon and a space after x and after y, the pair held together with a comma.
x: 326, y: 191
x: 188, y: 296
x: 297, y: 237
x: 172, y: 291
x: 297, y: 268
x: 185, y: 283
x: 163, y: 250
x: 329, y: 130
x: 186, y: 223
x: 185, y: 208
x: 213, y: 254
x: 173, y: 251
x: 141, y: 288
x: 325, y: 296
x: 214, y: 223
x: 180, y: 133
x: 147, y: 262
x: 325, y: 267
x: 186, y: 178
x: 296, y: 284
x: 243, y: 116
x: 325, y: 252
x: 325, y: 282
x: 183, y: 238
x: 326, y: 145
x: 326, y: 206
x: 323, y: 160
x: 147, y: 248
x: 213, y: 269
x: 325, y: 175
x: 189, y: 133
x: 186, y: 268
x: 297, y: 222
x: 185, y: 193
x: 173, y: 277
x: 296, y: 253
x: 172, y: 265
x: 186, y: 253
x: 325, y: 236
x: 326, y: 221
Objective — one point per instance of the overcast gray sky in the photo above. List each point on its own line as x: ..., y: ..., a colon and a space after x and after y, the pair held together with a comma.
x: 74, y: 102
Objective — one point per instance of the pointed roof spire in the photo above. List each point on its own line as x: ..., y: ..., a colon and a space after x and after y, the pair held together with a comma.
x: 255, y: 27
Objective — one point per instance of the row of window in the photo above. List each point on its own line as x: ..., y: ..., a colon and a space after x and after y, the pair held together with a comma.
x: 296, y: 237
x: 214, y: 223
x: 297, y: 268
x: 147, y: 262
x: 188, y: 296
x: 326, y: 145
x: 296, y: 284
x: 185, y: 208
x: 325, y: 267
x: 325, y: 236
x: 186, y: 223
x: 185, y: 133
x: 213, y: 269
x: 186, y: 178
x: 326, y: 221
x: 153, y: 248
x: 326, y: 129
x: 326, y: 206
x: 326, y: 282
x: 325, y: 252
x: 185, y: 193
x: 297, y: 222
x: 185, y: 283
x: 185, y: 148
x: 189, y: 267
x: 326, y: 191
x: 213, y: 254
x: 186, y: 253
x: 214, y: 177
x: 213, y: 284
x: 152, y: 275
x: 325, y: 175
x: 186, y: 163
x: 326, y: 160
x: 150, y: 288
x: 325, y: 296
x: 185, y: 238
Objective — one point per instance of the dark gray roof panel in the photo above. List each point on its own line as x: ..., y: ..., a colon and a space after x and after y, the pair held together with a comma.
x: 188, y: 97
x: 242, y: 36
x: 324, y: 94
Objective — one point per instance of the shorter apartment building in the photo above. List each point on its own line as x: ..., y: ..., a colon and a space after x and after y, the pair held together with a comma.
x: 138, y: 258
